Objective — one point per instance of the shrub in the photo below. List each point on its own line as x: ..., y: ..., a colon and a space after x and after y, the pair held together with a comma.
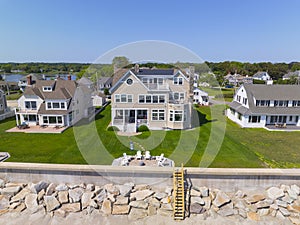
x: 112, y: 128
x: 142, y: 128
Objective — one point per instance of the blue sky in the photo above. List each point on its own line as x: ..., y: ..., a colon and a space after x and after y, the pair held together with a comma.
x: 216, y: 30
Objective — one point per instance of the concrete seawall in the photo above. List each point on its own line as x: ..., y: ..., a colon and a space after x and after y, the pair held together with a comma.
x: 228, y: 179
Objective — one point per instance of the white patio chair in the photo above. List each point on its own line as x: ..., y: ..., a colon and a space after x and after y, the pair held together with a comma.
x: 138, y: 155
x: 161, y: 163
x: 124, y: 162
x: 161, y: 157
x: 147, y: 156
x: 125, y: 156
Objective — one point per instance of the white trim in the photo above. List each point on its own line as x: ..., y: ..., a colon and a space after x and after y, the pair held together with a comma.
x: 152, y: 99
x: 158, y: 120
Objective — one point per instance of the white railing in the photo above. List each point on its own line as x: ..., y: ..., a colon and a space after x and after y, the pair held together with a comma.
x: 158, y: 86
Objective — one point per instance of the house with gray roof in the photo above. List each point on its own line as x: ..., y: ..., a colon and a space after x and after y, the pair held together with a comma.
x: 266, y: 106
x: 53, y: 103
x: 261, y: 75
x: 104, y: 83
x: 291, y: 74
x: 157, y: 98
x: 30, y: 78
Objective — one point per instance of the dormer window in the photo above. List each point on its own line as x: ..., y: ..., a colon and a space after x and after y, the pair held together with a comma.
x: 47, y: 88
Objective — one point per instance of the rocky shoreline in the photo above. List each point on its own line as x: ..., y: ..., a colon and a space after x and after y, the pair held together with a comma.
x: 138, y: 202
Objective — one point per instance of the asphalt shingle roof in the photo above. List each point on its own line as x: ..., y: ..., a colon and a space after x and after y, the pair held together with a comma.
x: 61, y: 89
x: 268, y: 92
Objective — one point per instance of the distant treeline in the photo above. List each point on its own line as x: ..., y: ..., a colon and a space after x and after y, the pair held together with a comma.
x: 42, y: 67
x: 220, y: 69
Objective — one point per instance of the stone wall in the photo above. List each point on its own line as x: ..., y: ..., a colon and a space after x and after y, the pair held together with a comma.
x: 140, y: 201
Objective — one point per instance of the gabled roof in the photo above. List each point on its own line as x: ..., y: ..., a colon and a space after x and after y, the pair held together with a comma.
x: 268, y: 92
x: 84, y: 81
x: 292, y: 74
x: 260, y: 74
x: 61, y: 89
x: 119, y: 82
x: 200, y: 91
x: 34, y: 77
x: 273, y: 92
x: 105, y: 80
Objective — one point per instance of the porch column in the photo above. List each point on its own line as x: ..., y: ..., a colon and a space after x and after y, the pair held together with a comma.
x: 135, y: 118
x: 17, y: 119
x: 123, y: 117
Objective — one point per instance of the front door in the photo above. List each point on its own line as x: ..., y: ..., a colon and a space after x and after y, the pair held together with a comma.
x: 132, y: 116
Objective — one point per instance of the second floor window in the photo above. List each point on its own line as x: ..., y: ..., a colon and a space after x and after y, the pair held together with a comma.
x: 123, y: 98
x: 56, y: 105
x: 178, y: 80
x: 151, y: 99
x: 296, y: 103
x: 178, y: 96
x: 30, y: 105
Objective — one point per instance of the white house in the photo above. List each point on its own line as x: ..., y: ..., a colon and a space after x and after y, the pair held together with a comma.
x: 289, y: 75
x: 99, y: 99
x: 262, y: 76
x: 200, y: 97
x: 53, y: 103
x: 31, y: 78
x: 266, y: 106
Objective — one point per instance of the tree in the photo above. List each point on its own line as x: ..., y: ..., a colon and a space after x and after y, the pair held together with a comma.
x: 7, y: 68
x: 106, y: 91
x: 120, y: 61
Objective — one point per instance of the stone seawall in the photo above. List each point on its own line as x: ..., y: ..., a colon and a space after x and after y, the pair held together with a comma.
x: 139, y: 193
x: 276, y: 205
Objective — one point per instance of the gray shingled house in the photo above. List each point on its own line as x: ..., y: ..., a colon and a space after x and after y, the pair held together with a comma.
x: 53, y: 103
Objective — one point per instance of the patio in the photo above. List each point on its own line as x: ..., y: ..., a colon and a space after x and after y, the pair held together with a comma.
x: 39, y: 129
x: 273, y: 127
x: 143, y: 160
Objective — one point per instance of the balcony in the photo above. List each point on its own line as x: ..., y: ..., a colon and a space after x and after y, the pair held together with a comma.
x: 157, y: 87
x: 26, y: 110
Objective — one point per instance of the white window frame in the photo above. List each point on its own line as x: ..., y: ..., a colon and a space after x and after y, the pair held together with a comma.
x: 50, y: 105
x: 159, y: 113
x: 47, y: 88
x: 181, y: 95
x: 174, y: 113
x: 119, y: 98
x: 178, y: 80
x: 161, y: 99
x: 30, y: 103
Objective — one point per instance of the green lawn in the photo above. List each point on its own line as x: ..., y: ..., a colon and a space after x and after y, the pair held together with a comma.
x: 14, y: 96
x: 226, y: 92
x: 91, y: 143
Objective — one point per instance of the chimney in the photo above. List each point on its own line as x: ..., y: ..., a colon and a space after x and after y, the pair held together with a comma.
x: 69, y: 77
x: 136, y: 68
x: 29, y: 80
